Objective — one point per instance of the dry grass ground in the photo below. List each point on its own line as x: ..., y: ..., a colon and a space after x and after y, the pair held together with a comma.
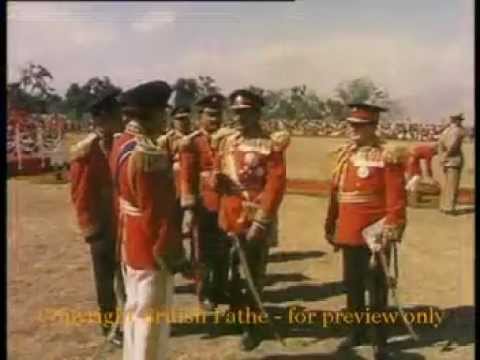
x: 311, y: 158
x: 49, y: 268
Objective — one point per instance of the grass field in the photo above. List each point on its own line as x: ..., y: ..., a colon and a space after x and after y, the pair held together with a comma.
x: 311, y: 158
x: 49, y: 269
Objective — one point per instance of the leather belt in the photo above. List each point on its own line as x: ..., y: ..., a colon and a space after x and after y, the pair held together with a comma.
x: 355, y: 197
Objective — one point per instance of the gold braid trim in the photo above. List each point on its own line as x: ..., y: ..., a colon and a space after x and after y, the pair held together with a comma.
x: 395, y: 155
x: 220, y: 135
x: 342, y: 162
x: 151, y: 155
x: 280, y: 140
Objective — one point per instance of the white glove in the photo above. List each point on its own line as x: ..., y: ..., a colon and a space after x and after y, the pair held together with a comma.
x: 187, y: 221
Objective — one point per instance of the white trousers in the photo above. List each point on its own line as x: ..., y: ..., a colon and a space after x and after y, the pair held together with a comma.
x: 149, y: 293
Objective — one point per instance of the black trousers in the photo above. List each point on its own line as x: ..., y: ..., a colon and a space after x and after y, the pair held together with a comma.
x: 360, y: 277
x: 212, y: 257
x: 105, y: 269
x: 256, y: 254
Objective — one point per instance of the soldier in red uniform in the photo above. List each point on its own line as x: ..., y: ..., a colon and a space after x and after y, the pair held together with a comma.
x: 421, y: 152
x: 200, y: 201
x: 181, y: 128
x: 414, y: 172
x: 149, y: 228
x: 251, y: 178
x: 368, y: 186
x: 91, y: 192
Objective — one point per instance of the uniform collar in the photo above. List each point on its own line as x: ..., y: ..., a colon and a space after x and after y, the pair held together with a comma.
x: 375, y: 144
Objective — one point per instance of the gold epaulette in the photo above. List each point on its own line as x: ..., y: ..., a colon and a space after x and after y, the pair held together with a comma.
x: 186, y: 140
x: 82, y: 148
x: 338, y: 152
x: 280, y: 140
x: 220, y: 135
x: 395, y: 154
x: 169, y: 133
x: 149, y: 156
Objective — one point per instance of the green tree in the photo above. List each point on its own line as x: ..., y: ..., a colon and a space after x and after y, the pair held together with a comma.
x: 185, y: 92
x: 361, y: 90
x: 78, y: 98
x: 206, y: 86
x: 33, y: 91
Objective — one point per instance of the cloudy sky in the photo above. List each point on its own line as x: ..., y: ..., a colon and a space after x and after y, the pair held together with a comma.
x: 421, y: 51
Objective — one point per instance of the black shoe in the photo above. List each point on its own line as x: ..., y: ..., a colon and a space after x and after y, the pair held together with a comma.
x: 351, y: 341
x: 249, y: 341
x: 207, y: 305
x: 117, y: 338
x: 221, y: 298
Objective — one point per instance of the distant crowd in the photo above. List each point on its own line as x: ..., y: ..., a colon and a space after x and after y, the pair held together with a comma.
x: 398, y: 130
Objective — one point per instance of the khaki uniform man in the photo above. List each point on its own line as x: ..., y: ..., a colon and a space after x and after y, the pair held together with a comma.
x: 451, y: 157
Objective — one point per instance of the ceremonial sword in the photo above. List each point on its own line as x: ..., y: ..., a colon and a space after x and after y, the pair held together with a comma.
x: 252, y: 288
x: 392, y: 284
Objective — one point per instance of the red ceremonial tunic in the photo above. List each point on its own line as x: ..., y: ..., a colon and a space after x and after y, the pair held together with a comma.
x: 419, y: 152
x: 146, y: 199
x: 91, y: 186
x: 368, y: 185
x: 196, y: 171
x: 174, y: 143
x: 251, y: 179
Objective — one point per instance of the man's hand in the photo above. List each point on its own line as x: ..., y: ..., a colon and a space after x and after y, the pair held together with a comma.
x: 187, y: 221
x: 257, y: 231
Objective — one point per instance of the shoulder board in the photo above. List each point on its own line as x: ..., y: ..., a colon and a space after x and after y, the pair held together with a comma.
x: 280, y: 140
x: 186, y: 140
x: 161, y: 145
x: 82, y: 148
x: 222, y: 134
x: 170, y: 133
x: 340, y: 150
x: 149, y: 156
x: 395, y: 154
